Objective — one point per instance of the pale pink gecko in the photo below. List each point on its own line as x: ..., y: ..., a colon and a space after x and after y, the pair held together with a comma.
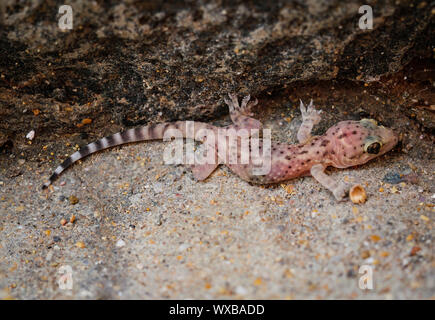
x: 347, y: 144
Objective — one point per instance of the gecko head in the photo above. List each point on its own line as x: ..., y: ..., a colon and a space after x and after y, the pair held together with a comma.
x: 356, y: 142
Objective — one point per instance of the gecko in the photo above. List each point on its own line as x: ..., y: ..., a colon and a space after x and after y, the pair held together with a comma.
x: 346, y: 144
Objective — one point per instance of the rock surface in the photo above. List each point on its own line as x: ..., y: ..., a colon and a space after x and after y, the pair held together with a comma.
x: 135, y: 62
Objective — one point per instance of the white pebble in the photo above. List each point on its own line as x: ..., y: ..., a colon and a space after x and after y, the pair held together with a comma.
x: 49, y: 256
x: 241, y: 290
x: 183, y: 247
x: 31, y: 135
x: 120, y: 243
x: 369, y: 260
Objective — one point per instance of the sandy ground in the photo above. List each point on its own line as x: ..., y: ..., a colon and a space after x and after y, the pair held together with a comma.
x: 148, y: 230
x: 143, y: 229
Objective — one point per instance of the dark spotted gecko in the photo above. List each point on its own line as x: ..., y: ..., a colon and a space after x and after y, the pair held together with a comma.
x: 347, y: 144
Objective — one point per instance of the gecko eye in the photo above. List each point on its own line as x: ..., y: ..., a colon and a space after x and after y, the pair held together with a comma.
x: 373, y: 148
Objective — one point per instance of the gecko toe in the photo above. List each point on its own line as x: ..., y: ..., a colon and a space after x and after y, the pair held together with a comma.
x: 341, y: 192
x: 303, y: 109
x: 245, y: 101
x: 230, y: 104
x: 253, y: 103
x: 233, y: 98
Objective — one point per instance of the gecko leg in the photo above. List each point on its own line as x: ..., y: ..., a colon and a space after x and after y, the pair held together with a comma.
x: 338, y: 189
x: 310, y: 117
x: 208, y: 159
x: 241, y: 115
x: 202, y: 171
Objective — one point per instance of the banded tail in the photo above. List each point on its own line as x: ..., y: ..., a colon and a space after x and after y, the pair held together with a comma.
x: 149, y: 132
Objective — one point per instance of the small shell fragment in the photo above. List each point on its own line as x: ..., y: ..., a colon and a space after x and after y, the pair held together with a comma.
x: 73, y: 200
x: 357, y: 194
x: 80, y: 244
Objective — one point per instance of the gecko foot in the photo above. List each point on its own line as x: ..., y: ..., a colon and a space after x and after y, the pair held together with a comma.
x: 341, y: 191
x: 243, y: 109
x: 310, y: 113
